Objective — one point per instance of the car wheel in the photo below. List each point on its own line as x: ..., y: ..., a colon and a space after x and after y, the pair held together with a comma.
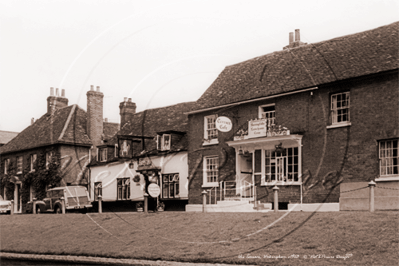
x: 38, y: 210
x: 58, y: 210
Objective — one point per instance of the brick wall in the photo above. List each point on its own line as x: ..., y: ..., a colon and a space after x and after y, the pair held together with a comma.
x: 329, y: 155
x: 95, y: 116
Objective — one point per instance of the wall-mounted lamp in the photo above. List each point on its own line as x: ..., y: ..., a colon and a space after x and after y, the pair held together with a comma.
x: 240, y: 151
x: 131, y: 165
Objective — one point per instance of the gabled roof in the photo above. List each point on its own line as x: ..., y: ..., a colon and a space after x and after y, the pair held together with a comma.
x: 67, y: 125
x: 6, y: 136
x: 305, y: 66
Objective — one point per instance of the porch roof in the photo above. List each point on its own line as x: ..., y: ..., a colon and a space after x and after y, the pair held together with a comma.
x: 265, y: 142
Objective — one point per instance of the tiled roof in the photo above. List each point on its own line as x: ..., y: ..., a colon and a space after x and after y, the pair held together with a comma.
x: 6, y: 136
x: 164, y: 119
x: 306, y: 66
x: 110, y: 129
x: 66, y: 125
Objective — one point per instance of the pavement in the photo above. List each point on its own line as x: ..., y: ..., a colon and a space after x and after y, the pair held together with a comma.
x: 97, y: 260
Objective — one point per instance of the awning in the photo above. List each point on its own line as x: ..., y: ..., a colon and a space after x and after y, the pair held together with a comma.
x: 267, y: 143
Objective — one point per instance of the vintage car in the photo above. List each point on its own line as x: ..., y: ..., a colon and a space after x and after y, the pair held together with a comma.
x: 76, y: 198
x: 5, y: 205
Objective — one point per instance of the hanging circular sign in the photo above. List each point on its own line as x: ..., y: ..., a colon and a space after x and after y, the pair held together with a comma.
x: 154, y: 190
x: 223, y: 124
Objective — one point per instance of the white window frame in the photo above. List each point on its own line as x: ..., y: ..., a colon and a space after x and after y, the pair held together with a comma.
x: 335, y: 109
x: 387, y: 155
x: 210, y: 139
x: 210, y: 161
x: 123, y: 190
x: 270, y: 116
x: 162, y: 144
x: 6, y: 165
x: 20, y: 162
x: 33, y: 158
x: 172, y: 181
x: 102, y: 154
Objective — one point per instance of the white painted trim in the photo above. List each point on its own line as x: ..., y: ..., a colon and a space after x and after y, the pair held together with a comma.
x: 343, y: 124
x: 211, y: 142
x: 387, y: 178
x: 250, y: 101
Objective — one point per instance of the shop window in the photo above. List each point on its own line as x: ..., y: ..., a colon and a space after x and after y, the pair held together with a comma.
x: 6, y: 166
x: 98, y: 190
x: 273, y: 166
x: 211, y: 170
x: 210, y: 131
x: 388, y: 155
x: 32, y: 160
x: 268, y: 112
x: 170, y: 186
x: 19, y: 164
x: 102, y: 154
x: 123, y: 188
x: 164, y: 142
x: 340, y: 108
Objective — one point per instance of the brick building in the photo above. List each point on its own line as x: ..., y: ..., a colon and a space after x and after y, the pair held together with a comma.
x: 315, y: 120
x: 59, y: 143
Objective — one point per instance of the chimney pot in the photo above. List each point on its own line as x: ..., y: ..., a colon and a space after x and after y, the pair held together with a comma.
x: 105, y: 120
x: 51, y: 91
x: 129, y: 100
x: 63, y: 93
x: 98, y: 88
x: 92, y: 87
x: 125, y: 99
x: 291, y: 38
x: 57, y: 92
x: 32, y: 120
x: 297, y: 35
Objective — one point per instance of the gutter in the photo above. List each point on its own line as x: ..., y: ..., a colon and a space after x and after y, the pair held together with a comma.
x: 250, y: 101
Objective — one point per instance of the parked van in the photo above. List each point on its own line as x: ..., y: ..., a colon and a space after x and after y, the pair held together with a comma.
x: 76, y: 198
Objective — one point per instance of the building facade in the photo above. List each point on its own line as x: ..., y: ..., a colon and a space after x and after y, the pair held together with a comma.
x: 148, y: 156
x: 313, y: 121
x: 54, y: 150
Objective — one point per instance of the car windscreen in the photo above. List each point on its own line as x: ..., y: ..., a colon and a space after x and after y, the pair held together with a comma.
x: 75, y: 192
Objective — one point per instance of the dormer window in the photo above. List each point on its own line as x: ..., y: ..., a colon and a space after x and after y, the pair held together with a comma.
x: 102, y: 154
x: 163, y: 142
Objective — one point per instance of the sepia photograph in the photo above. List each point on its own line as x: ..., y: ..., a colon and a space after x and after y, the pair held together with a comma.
x: 223, y: 132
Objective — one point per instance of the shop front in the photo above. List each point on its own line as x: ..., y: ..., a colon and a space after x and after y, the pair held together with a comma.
x: 266, y: 155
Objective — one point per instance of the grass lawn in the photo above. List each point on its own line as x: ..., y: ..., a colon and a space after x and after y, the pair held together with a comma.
x: 298, y: 238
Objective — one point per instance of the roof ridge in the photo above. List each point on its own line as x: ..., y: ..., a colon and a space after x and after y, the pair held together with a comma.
x: 67, y: 122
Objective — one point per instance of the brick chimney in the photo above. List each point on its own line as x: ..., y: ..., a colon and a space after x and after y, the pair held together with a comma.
x: 55, y: 101
x: 296, y: 43
x: 95, y: 115
x: 127, y: 110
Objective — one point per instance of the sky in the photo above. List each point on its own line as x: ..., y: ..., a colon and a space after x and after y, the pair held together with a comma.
x: 158, y: 53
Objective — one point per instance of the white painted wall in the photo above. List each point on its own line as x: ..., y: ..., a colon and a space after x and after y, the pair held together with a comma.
x: 108, y: 174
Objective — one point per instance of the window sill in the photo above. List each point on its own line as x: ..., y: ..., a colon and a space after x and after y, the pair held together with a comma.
x: 32, y: 171
x: 387, y: 178
x: 210, y: 185
x: 343, y: 124
x: 210, y: 142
